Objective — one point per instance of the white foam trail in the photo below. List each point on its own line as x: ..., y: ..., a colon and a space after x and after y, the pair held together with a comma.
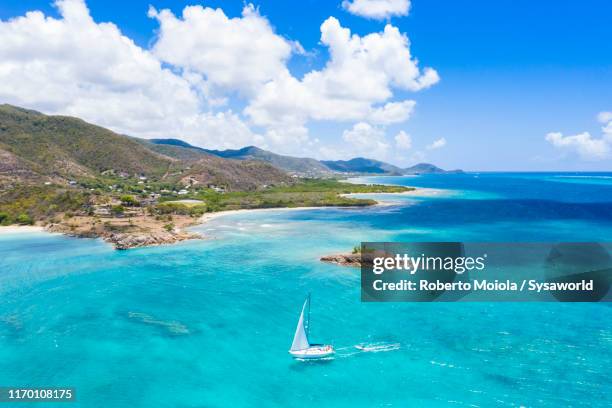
x: 377, y: 347
x: 361, y: 348
x: 349, y: 351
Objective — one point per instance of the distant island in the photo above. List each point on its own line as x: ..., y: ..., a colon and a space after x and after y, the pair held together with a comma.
x: 87, y: 181
x: 307, y: 167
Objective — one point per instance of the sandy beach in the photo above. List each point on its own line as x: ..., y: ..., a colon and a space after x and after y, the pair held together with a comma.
x: 420, y: 192
x: 13, y: 229
x: 210, y: 216
x: 425, y: 192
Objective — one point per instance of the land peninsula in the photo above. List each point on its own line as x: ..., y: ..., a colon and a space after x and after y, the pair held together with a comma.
x: 73, y: 177
x: 129, y: 221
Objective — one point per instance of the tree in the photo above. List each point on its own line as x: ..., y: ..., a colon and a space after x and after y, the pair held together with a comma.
x: 117, y: 209
x: 4, y: 218
x: 129, y: 200
x: 24, y: 219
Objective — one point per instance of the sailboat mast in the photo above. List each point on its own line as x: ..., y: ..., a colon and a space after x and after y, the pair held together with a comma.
x: 308, y: 324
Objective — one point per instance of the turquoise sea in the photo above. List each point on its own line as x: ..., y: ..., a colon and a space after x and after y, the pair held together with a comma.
x: 208, y: 323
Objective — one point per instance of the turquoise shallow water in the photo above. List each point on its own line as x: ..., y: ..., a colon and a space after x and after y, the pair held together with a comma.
x: 208, y: 323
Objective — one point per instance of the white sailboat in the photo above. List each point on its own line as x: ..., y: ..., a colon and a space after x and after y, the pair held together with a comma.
x: 301, y: 347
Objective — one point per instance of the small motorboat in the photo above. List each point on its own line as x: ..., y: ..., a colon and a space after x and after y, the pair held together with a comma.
x: 301, y: 347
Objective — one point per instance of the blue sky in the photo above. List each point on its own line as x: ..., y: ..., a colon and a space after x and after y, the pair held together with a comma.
x: 510, y: 73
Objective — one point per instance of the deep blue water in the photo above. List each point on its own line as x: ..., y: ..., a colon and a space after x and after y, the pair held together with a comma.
x: 208, y: 323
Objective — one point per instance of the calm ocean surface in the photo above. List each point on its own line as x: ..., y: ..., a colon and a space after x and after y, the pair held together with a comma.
x: 208, y: 323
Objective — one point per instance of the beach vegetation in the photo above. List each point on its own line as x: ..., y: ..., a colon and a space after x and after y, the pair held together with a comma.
x: 307, y: 193
x: 5, y: 219
x: 180, y: 209
x: 24, y: 219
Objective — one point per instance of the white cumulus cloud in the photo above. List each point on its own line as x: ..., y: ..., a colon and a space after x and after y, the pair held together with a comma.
x: 392, y: 112
x: 437, y: 144
x: 75, y: 66
x: 584, y: 144
x: 364, y: 139
x: 606, y: 119
x: 201, y: 63
x: 235, y: 53
x: 377, y: 9
x: 357, y: 82
x: 403, y: 140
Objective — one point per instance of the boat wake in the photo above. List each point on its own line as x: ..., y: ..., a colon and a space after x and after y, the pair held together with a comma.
x: 377, y: 347
x: 350, y: 351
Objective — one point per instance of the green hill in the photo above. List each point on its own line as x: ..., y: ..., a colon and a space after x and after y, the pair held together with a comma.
x: 35, y: 147
x: 69, y: 147
x: 298, y: 165
x: 427, y: 168
x: 302, y: 165
x: 363, y: 165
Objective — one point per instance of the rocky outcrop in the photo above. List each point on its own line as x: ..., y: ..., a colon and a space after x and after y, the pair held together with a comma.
x: 122, y: 240
x: 353, y: 259
x: 343, y: 259
x: 134, y: 238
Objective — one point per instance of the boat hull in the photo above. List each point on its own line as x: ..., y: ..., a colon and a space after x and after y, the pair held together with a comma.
x: 313, y: 352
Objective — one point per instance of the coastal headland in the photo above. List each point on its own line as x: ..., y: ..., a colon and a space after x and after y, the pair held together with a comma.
x: 130, y: 221
x: 72, y: 177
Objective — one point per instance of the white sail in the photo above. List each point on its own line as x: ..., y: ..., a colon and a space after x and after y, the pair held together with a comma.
x: 300, y: 339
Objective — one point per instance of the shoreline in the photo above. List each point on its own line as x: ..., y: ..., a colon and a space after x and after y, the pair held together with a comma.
x: 184, y: 233
x: 362, y: 180
x: 15, y: 229
x: 417, y: 192
x: 211, y: 216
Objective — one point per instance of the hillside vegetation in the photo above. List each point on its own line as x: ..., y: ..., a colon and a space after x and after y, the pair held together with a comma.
x: 363, y: 165
x: 69, y: 147
x: 304, y: 166
x: 86, y: 180
x: 38, y: 147
x: 308, y: 193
